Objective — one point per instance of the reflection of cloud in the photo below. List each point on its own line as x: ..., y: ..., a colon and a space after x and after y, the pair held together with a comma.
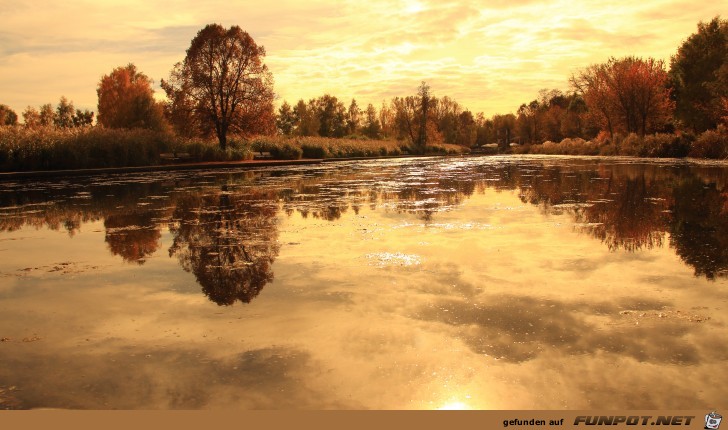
x: 170, y: 379
x: 517, y: 328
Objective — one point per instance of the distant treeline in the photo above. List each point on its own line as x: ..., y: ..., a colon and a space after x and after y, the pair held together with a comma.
x: 223, y: 92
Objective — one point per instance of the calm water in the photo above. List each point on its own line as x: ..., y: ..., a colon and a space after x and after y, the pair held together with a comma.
x: 483, y: 283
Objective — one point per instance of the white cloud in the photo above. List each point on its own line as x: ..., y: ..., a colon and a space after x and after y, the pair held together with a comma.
x: 491, y: 57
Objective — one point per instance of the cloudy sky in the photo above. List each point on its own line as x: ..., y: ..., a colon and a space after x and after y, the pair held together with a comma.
x: 490, y: 56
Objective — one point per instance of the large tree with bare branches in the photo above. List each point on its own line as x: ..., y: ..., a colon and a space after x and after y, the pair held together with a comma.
x: 222, y: 85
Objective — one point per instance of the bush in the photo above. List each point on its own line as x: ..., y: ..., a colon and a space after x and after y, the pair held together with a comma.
x: 665, y: 145
x: 311, y: 150
x: 286, y: 151
x: 632, y: 145
x: 711, y: 144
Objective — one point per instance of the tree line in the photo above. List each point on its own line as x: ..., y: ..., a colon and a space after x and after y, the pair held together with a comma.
x: 223, y: 87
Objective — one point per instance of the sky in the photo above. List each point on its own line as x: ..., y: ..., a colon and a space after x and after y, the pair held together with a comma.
x: 490, y: 56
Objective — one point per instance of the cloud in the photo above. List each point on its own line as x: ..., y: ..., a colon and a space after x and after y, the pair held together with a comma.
x: 490, y: 57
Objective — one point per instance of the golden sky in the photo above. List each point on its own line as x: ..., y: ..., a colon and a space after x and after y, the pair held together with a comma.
x: 490, y: 56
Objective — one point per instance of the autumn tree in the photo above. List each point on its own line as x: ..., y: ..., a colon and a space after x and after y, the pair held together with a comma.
x: 7, y: 116
x: 387, y: 120
x: 445, y: 112
x: 47, y: 115
x: 126, y: 100
x: 405, y: 118
x: 412, y: 117
x: 223, y: 83
x: 484, y: 130
x: 629, y: 95
x: 31, y: 117
x: 699, y: 73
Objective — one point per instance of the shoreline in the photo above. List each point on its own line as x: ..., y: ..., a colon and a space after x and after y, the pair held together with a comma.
x: 156, y: 168
x: 30, y: 174
x: 305, y: 161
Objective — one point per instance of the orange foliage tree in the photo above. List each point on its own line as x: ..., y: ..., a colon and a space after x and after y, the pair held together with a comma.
x: 126, y: 100
x: 629, y: 95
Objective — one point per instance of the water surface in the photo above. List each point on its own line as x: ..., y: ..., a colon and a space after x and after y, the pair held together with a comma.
x: 483, y: 283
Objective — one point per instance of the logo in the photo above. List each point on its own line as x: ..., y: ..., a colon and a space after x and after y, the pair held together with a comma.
x: 712, y: 420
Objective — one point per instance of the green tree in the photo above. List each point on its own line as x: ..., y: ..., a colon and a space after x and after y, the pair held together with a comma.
x: 528, y: 122
x: 424, y: 100
x: 7, y: 116
x: 372, y: 128
x: 286, y: 119
x: 83, y: 118
x: 503, y: 125
x: 64, y: 113
x: 331, y: 115
x: 47, y: 115
x: 307, y: 123
x: 466, y: 131
x: 353, y: 118
x: 126, y: 100
x: 224, y: 83
x: 699, y: 74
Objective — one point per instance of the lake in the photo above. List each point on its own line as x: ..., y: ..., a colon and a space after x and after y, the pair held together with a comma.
x: 519, y: 282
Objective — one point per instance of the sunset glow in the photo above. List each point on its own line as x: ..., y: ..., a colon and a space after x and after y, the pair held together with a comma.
x: 490, y: 56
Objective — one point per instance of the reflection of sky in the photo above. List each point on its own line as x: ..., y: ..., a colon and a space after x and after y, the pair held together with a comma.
x: 490, y: 304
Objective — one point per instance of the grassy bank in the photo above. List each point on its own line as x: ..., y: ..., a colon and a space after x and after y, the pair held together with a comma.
x: 95, y: 147
x: 710, y: 144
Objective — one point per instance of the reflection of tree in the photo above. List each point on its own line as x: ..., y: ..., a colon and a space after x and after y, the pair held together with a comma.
x: 229, y: 242
x: 699, y: 228
x: 134, y: 236
x: 632, y: 220
x: 624, y: 211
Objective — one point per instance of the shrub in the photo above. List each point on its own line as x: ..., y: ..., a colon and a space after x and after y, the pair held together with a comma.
x: 711, y: 144
x: 631, y: 145
x: 311, y: 150
x: 665, y: 145
x: 286, y: 151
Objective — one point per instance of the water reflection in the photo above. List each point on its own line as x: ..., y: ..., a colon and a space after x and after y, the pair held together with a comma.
x: 517, y: 328
x: 224, y: 224
x: 502, y: 283
x: 699, y: 227
x: 228, y: 240
x: 134, y: 235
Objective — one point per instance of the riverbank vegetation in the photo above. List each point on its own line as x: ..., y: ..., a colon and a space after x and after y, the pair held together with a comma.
x: 220, y: 107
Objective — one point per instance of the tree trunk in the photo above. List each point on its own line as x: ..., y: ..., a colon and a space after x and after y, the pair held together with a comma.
x: 222, y: 138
